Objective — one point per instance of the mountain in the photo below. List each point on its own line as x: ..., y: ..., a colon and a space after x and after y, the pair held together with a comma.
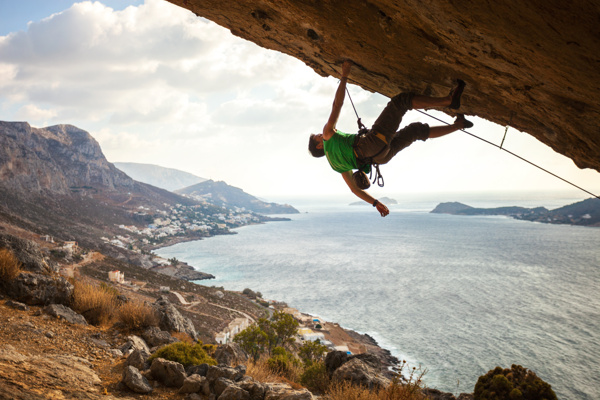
x: 56, y: 181
x: 165, y: 178
x: 220, y: 193
x: 585, y: 213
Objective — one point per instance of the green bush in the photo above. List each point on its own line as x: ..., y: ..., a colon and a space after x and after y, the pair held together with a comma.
x: 282, y: 362
x: 315, y: 377
x: 185, y: 354
x: 516, y: 383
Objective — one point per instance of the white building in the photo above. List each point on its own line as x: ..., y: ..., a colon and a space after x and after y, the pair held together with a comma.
x: 116, y: 276
x: 234, y: 327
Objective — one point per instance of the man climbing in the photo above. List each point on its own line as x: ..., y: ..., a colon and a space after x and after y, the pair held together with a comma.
x: 347, y: 152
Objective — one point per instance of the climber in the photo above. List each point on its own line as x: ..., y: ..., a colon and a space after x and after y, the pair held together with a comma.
x: 347, y: 152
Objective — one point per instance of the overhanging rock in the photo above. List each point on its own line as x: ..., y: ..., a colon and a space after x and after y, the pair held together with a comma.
x: 532, y: 64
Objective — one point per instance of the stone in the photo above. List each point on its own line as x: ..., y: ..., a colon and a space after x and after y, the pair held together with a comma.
x: 359, y: 372
x: 537, y: 73
x: 133, y: 343
x: 172, y: 320
x: 138, y: 359
x: 220, y: 384
x: 434, y: 394
x: 155, y: 337
x: 201, y: 369
x: 255, y: 389
x: 231, y: 354
x: 170, y: 373
x: 234, y: 392
x: 221, y: 371
x: 28, y: 253
x: 63, y: 312
x: 193, y: 384
x: 334, y: 360
x: 16, y: 305
x: 133, y: 379
x: 282, y: 391
x: 38, y: 289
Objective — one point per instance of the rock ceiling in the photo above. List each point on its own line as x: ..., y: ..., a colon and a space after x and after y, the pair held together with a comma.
x: 533, y: 65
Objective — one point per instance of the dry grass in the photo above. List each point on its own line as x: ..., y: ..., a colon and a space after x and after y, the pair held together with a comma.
x: 261, y: 372
x: 137, y: 316
x: 10, y: 267
x: 97, y: 305
x: 347, y: 391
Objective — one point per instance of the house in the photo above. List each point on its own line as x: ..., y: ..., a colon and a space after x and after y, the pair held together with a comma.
x: 234, y: 327
x: 71, y: 246
x: 116, y: 276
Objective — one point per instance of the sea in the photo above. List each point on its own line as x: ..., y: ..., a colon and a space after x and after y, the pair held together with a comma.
x: 453, y: 295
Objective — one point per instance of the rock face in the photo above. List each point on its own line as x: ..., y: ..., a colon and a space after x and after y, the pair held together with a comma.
x: 532, y: 65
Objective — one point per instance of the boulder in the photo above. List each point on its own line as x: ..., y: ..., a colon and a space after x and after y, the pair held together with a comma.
x: 172, y: 320
x: 155, y: 337
x: 28, y: 253
x: 170, y: 373
x: 221, y: 371
x: 231, y: 354
x: 255, y: 389
x: 16, y: 305
x: 138, y: 359
x: 194, y: 384
x: 282, y: 391
x: 133, y: 379
x: 201, y: 369
x: 59, y: 311
x: 219, y: 385
x: 359, y: 372
x: 334, y: 360
x: 234, y: 392
x: 38, y: 289
x: 133, y: 343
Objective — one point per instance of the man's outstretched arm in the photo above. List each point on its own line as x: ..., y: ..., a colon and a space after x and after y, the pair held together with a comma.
x: 361, y: 194
x: 338, y: 102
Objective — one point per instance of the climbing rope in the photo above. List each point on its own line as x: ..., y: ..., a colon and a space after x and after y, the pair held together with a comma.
x: 515, y: 155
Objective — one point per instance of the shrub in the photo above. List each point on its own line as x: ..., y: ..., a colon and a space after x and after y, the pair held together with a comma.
x: 284, y: 363
x: 98, y: 306
x: 516, y: 383
x: 184, y: 353
x: 10, y: 267
x: 312, y: 351
x: 315, y: 378
x: 137, y: 316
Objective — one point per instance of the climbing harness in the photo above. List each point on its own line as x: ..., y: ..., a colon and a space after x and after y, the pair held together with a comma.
x: 359, y: 176
x: 513, y: 154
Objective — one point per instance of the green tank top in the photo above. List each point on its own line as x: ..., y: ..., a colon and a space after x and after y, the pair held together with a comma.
x: 340, y: 153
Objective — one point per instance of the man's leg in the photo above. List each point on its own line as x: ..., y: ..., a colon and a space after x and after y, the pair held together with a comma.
x: 459, y: 123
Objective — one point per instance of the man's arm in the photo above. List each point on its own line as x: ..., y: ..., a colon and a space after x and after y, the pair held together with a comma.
x: 383, y: 210
x: 338, y: 102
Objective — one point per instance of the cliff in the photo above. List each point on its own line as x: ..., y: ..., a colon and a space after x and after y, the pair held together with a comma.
x: 532, y: 65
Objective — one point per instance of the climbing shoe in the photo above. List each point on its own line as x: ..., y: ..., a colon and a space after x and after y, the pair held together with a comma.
x: 466, y: 123
x: 456, y: 93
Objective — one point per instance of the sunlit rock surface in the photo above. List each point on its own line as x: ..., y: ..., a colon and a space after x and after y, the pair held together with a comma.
x: 532, y: 64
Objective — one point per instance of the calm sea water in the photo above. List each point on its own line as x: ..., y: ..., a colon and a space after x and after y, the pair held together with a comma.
x: 456, y: 295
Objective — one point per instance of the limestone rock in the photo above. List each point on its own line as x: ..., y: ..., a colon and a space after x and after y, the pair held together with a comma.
x: 135, y: 381
x: 532, y: 65
x: 282, y: 391
x: 155, y: 337
x: 138, y: 359
x: 28, y: 253
x: 133, y: 343
x: 194, y: 384
x: 64, y: 312
x: 359, y: 372
x: 38, y: 289
x: 172, y: 320
x: 231, y: 354
x: 170, y: 373
x: 17, y: 305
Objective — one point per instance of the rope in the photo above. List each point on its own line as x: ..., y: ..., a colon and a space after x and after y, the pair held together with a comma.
x: 515, y: 155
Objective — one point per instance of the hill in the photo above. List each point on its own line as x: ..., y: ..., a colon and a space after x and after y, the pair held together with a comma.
x: 585, y: 213
x: 165, y: 178
x: 221, y: 194
x: 56, y: 182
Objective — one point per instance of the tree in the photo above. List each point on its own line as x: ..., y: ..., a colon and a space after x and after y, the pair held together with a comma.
x: 252, y: 340
x: 285, y: 327
x: 311, y: 352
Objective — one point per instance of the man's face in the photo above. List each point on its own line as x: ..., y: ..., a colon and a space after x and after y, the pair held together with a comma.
x: 319, y: 139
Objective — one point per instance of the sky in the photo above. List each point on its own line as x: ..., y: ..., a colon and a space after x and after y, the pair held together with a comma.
x: 153, y: 83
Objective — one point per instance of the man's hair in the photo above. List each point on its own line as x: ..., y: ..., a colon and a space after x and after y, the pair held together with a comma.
x: 312, y: 147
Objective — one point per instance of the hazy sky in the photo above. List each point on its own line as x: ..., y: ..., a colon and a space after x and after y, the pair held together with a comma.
x: 153, y: 83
